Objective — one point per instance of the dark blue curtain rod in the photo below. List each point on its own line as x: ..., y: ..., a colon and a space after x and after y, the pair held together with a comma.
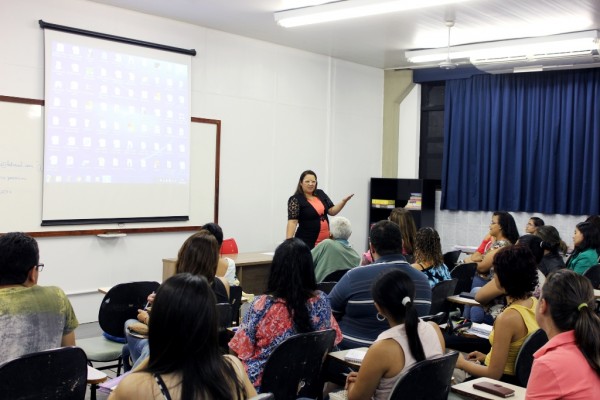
x: 135, y: 42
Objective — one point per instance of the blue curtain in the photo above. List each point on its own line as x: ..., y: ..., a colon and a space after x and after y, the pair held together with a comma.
x: 523, y: 142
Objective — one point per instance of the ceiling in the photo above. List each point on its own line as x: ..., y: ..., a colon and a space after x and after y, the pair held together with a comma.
x: 379, y: 41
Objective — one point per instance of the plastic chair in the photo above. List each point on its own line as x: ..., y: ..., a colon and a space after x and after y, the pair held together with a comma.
x: 326, y: 287
x: 294, y: 368
x: 57, y: 374
x: 451, y: 257
x: 229, y: 246
x: 235, y: 299
x: 524, y: 360
x: 438, y: 318
x: 120, y: 304
x: 593, y: 274
x: 224, y: 314
x: 439, y: 293
x: 464, y: 273
x: 427, y: 379
x: 336, y: 275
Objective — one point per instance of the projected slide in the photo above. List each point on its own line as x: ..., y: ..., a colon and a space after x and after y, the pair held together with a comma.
x: 117, y: 130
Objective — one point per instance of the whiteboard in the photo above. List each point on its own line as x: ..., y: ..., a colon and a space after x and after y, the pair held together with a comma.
x: 21, y: 164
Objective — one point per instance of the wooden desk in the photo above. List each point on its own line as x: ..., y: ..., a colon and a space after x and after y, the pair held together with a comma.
x: 104, y: 289
x: 463, y: 300
x: 597, y: 293
x: 465, y: 390
x: 252, y: 270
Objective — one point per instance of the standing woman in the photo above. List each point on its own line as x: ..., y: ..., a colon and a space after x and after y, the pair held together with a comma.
x: 185, y: 361
x: 428, y: 256
x: 568, y: 366
x: 586, y: 241
x: 308, y: 209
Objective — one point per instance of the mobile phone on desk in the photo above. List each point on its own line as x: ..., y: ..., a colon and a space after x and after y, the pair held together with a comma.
x: 494, y: 388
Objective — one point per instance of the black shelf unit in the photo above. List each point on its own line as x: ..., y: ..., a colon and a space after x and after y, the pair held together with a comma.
x: 400, y: 191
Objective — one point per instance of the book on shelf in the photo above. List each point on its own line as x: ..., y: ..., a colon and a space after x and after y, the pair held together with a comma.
x: 383, y: 202
x: 414, y: 202
x: 355, y: 355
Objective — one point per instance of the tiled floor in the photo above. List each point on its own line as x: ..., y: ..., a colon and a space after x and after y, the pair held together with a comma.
x: 86, y: 331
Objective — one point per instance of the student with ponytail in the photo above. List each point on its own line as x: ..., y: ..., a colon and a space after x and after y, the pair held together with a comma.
x: 407, y: 341
x: 568, y: 366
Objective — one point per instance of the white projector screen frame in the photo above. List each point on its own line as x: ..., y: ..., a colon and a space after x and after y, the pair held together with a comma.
x: 139, y: 109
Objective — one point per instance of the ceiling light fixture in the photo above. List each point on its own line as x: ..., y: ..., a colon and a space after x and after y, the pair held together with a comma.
x: 346, y: 9
x: 513, y: 50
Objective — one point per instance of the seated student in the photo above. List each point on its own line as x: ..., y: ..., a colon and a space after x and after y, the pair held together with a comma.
x: 32, y: 317
x: 492, y: 297
x: 407, y: 341
x: 586, y: 241
x: 568, y: 366
x: 553, y: 246
x: 351, y: 297
x: 404, y: 219
x: 533, y: 225
x: 199, y: 255
x: 429, y: 258
x: 516, y: 275
x: 185, y: 361
x: 291, y: 304
x: 226, y: 267
x: 336, y: 252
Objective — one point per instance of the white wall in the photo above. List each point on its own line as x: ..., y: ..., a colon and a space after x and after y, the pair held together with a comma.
x: 282, y: 111
x: 409, y: 134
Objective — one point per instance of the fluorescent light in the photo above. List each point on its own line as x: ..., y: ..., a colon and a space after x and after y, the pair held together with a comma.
x: 346, y: 9
x: 514, y: 50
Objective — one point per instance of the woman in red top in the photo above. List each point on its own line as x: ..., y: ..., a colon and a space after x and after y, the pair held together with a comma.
x: 308, y: 209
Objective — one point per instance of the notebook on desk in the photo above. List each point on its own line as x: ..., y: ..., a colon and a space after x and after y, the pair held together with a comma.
x: 355, y: 355
x: 111, y: 384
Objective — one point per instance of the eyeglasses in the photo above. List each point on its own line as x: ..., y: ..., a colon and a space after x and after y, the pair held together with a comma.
x: 40, y: 267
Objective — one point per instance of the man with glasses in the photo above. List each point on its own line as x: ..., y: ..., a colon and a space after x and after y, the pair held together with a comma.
x: 32, y: 317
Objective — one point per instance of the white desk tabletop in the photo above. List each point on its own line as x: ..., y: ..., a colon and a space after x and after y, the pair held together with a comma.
x: 463, y: 300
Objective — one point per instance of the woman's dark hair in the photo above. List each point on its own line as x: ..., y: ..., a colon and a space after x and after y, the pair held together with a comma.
x: 388, y: 291
x: 533, y: 243
x: 508, y: 226
x: 405, y: 221
x: 591, y: 236
x: 551, y: 240
x: 199, y: 255
x: 216, y: 230
x: 571, y: 300
x: 537, y: 221
x: 183, y: 339
x: 428, y: 247
x: 302, y: 176
x: 516, y: 270
x: 594, y: 219
x: 292, y: 278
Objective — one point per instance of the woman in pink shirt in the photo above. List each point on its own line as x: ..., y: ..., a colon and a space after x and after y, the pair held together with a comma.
x: 568, y: 366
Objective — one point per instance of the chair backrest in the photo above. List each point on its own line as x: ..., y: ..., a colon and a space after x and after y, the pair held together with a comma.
x: 427, y: 379
x: 294, y: 368
x: 326, y: 287
x: 593, y: 274
x: 235, y: 299
x: 336, y: 275
x: 524, y: 359
x: 464, y: 273
x: 224, y: 313
x: 57, y: 374
x: 229, y: 246
x: 121, y: 303
x: 450, y: 258
x: 439, y: 293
